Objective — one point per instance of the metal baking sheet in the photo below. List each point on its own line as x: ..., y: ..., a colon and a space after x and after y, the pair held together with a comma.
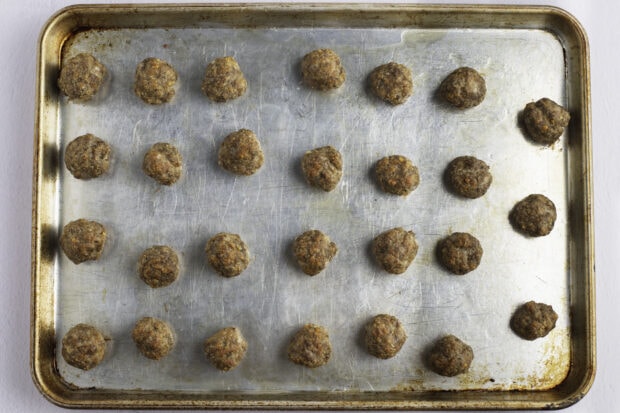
x: 273, y: 298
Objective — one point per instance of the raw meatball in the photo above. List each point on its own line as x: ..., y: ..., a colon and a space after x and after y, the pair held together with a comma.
x: 83, y: 346
x: 159, y: 266
x: 83, y: 240
x: 155, y: 80
x: 545, y: 120
x: 310, y: 346
x: 533, y: 320
x: 163, y: 163
x: 534, y: 215
x: 228, y: 254
x: 313, y: 250
x: 464, y: 88
x: 87, y: 156
x: 384, y: 336
x: 153, y: 337
x: 468, y: 176
x: 81, y: 77
x: 322, y: 167
x: 224, y: 80
x: 395, y: 250
x: 392, y: 83
x: 321, y: 69
x: 240, y: 153
x: 397, y: 175
x: 460, y: 253
x: 450, y: 356
x: 226, y: 348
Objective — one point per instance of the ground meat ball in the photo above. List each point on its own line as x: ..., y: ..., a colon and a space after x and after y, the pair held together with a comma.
x: 397, y: 175
x: 468, y: 176
x: 310, y: 346
x: 321, y: 69
x: 155, y: 80
x: 83, y: 240
x: 533, y: 320
x: 313, y: 250
x: 87, y: 157
x: 163, y: 163
x: 227, y: 254
x: 384, y: 336
x: 81, y: 77
x: 459, y: 253
x: 154, y: 338
x: 83, y: 346
x: 545, y: 120
x: 450, y: 356
x: 240, y: 153
x: 226, y: 348
x: 322, y: 167
x: 534, y: 215
x: 392, y: 83
x: 464, y: 88
x: 224, y: 80
x: 395, y: 250
x: 159, y: 266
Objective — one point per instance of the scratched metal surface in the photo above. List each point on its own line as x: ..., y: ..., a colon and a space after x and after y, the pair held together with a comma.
x: 272, y: 298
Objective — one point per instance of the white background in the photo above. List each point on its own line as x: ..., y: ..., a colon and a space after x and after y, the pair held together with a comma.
x: 20, y: 23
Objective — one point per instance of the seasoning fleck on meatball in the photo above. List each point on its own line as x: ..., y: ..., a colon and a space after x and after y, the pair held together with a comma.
x: 83, y: 346
x: 321, y: 69
x: 464, y: 88
x: 395, y: 250
x: 87, y: 156
x: 392, y: 83
x: 313, y: 250
x: 397, y: 175
x: 468, y: 176
x: 533, y: 320
x: 450, y: 356
x: 224, y: 80
x: 545, y: 120
x: 163, y: 163
x: 153, y: 337
x: 81, y: 77
x: 240, y: 153
x: 159, y: 266
x: 460, y: 253
x: 83, y: 240
x: 384, y: 336
x: 534, y: 215
x: 227, y: 254
x: 226, y: 348
x: 155, y: 80
x: 322, y: 167
x: 310, y: 346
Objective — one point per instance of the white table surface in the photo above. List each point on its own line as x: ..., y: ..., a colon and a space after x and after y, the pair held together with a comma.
x: 20, y: 23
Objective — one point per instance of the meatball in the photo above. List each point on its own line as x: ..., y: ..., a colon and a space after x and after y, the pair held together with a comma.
x: 163, y: 163
x: 159, y: 266
x: 384, y: 336
x: 468, y: 176
x: 153, y: 337
x: 155, y: 80
x: 240, y: 153
x: 533, y: 320
x: 464, y: 88
x: 322, y: 167
x: 321, y: 69
x: 310, y: 346
x: 83, y: 346
x: 224, y: 80
x: 227, y: 254
x: 392, y: 83
x: 534, y: 215
x: 459, y: 253
x: 87, y: 157
x: 397, y: 175
x: 83, y: 240
x: 545, y: 120
x: 226, y: 348
x: 395, y: 250
x: 313, y: 250
x: 449, y: 356
x: 81, y: 77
